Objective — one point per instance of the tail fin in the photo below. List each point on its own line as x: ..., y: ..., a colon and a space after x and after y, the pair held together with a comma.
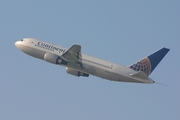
x: 148, y: 64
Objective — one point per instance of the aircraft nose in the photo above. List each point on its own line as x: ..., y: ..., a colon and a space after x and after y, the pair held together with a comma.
x: 17, y: 44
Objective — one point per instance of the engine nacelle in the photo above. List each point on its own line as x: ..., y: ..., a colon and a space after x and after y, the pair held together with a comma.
x: 75, y: 72
x: 54, y: 59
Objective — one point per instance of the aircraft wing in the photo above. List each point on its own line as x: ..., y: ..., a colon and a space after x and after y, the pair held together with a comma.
x: 73, y: 56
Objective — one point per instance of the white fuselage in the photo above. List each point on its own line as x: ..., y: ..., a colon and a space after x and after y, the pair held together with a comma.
x: 94, y: 66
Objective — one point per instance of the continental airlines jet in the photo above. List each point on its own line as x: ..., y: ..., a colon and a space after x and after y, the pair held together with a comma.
x: 79, y: 64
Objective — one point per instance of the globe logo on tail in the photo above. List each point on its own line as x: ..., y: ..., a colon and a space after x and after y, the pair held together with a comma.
x: 143, y: 65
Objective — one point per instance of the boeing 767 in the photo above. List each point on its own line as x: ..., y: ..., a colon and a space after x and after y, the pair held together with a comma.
x: 79, y: 64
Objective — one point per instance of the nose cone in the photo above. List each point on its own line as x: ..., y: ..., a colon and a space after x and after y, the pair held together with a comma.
x: 17, y: 44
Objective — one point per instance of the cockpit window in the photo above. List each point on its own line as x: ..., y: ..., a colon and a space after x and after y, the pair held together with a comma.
x: 22, y: 40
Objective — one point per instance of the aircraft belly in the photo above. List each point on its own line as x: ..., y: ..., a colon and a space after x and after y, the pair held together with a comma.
x: 128, y: 78
x: 96, y: 71
x: 102, y: 73
x: 122, y: 78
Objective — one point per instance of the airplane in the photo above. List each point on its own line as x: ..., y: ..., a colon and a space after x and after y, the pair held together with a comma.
x: 79, y: 64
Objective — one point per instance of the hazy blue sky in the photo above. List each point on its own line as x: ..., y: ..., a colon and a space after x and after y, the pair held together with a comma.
x: 121, y: 31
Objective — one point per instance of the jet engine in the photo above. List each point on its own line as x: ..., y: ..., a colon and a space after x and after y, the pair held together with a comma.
x: 75, y: 72
x: 54, y: 59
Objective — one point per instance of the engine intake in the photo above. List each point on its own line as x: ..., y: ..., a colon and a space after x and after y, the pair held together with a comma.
x: 75, y: 72
x: 54, y: 59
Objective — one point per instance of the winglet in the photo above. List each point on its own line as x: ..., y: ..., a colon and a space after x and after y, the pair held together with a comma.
x: 148, y: 64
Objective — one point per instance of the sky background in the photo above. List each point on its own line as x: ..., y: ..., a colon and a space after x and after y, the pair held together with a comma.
x: 122, y: 31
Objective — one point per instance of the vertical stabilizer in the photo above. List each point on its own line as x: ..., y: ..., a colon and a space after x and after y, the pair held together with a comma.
x: 148, y: 64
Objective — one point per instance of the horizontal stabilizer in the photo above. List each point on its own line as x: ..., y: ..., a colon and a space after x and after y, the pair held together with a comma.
x: 139, y: 74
